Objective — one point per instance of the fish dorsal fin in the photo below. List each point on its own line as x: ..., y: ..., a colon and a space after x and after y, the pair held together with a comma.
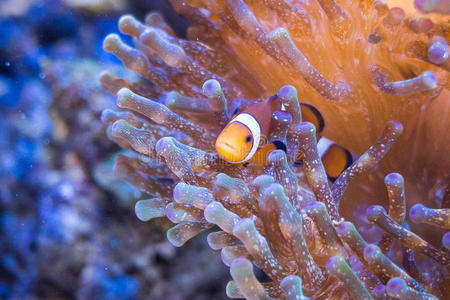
x: 312, y: 115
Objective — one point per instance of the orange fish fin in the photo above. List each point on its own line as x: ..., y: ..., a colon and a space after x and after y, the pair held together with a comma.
x: 335, y: 160
x: 312, y: 115
x: 263, y: 152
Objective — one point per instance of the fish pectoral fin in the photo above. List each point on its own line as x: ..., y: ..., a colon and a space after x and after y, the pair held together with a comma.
x: 313, y: 115
x: 263, y: 152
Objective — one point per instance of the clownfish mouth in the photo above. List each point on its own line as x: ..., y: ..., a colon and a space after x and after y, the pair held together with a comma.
x: 227, y: 151
x: 226, y: 144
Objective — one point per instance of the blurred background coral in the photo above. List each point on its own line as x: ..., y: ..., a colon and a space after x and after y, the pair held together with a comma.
x: 67, y: 226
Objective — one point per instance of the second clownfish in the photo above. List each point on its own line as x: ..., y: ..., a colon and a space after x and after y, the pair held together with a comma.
x: 243, y: 138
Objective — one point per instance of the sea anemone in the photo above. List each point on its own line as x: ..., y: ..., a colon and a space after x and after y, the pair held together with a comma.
x: 363, y: 65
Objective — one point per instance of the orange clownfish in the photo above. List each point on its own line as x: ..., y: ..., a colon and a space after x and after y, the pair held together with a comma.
x: 243, y: 138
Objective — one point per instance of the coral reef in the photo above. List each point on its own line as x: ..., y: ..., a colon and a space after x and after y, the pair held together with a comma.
x: 363, y: 65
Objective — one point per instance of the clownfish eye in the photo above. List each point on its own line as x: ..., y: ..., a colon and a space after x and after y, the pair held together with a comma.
x: 248, y: 139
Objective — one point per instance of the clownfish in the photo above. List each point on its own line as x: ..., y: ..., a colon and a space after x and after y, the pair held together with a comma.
x: 244, y: 138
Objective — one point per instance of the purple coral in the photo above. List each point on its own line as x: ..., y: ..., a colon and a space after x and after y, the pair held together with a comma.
x: 285, y: 220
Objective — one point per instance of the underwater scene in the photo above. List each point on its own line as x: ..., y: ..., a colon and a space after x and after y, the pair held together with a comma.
x: 220, y: 149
